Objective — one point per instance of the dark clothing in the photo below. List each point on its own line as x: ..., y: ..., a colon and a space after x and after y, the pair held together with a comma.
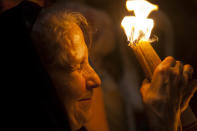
x: 31, y: 103
x: 191, y: 127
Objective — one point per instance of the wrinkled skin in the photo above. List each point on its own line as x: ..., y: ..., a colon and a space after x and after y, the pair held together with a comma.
x: 74, y: 78
x: 168, y: 94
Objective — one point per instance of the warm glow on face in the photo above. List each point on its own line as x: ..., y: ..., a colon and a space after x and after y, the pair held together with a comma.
x: 138, y: 27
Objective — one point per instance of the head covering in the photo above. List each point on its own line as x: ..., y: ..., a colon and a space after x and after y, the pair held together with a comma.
x: 31, y: 101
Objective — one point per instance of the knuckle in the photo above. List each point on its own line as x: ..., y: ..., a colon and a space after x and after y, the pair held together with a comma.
x: 170, y: 58
x: 179, y: 62
x: 162, y: 69
x: 175, y: 73
x: 189, y: 68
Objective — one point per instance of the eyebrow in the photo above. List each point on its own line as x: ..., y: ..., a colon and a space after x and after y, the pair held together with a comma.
x: 68, y: 67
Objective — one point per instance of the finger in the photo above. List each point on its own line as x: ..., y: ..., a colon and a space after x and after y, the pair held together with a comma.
x: 145, y: 86
x: 176, y: 79
x: 164, y: 67
x: 189, y: 70
x: 187, y: 73
x: 185, y: 104
x: 160, y: 77
x: 178, y: 68
x: 168, y: 62
x: 192, y: 86
x: 177, y: 71
x: 145, y: 82
x: 189, y: 94
x: 160, y: 80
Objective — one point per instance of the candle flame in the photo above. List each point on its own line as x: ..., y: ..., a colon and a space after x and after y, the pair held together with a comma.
x: 138, y: 27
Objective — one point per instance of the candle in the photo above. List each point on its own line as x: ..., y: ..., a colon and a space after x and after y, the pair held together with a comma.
x: 138, y: 30
x: 146, y: 56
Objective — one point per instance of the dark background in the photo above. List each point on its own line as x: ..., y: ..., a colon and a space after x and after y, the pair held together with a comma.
x: 182, y: 15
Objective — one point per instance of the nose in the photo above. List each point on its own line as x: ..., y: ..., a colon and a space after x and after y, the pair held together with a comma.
x: 93, y: 80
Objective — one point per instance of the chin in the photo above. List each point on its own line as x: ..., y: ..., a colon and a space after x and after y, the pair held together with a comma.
x: 79, y: 115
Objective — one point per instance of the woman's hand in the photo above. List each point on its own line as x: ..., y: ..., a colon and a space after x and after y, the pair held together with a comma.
x: 168, y: 94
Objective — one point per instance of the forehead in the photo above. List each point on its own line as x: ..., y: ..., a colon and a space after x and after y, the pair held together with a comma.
x: 74, y: 44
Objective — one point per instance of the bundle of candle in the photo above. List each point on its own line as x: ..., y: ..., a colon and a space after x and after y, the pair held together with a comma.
x: 138, y: 30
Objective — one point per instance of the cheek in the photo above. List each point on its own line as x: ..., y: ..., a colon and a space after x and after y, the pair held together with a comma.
x: 76, y: 85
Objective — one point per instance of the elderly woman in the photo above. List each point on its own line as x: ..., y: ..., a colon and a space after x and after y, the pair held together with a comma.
x: 60, y: 84
x: 61, y: 39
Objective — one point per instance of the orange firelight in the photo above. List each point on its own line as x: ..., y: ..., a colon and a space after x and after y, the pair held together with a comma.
x: 138, y: 30
x: 138, y: 27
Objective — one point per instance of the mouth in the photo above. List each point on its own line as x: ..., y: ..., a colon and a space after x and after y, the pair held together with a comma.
x: 85, y: 99
x: 85, y: 104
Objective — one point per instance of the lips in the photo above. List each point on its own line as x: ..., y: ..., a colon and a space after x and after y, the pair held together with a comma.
x: 85, y: 104
x: 85, y: 99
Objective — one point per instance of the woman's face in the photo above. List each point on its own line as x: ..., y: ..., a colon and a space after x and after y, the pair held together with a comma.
x: 73, y: 76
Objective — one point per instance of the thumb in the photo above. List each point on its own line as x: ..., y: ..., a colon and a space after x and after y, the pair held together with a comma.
x: 145, y: 86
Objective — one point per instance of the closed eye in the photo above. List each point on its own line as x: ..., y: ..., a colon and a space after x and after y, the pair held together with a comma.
x: 74, y: 67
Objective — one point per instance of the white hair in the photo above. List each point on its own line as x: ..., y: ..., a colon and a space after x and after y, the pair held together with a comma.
x: 50, y: 28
